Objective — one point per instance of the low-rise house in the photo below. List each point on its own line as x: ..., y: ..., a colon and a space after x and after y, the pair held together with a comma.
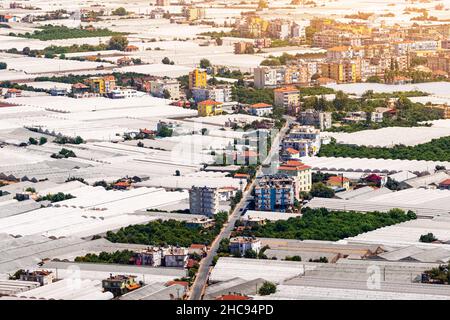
x: 339, y: 182
x: 120, y: 284
x: 43, y: 277
x: 176, y: 257
x: 209, y: 108
x: 152, y: 256
x: 260, y: 109
x: 13, y: 93
x: 240, y: 245
x: 445, y: 185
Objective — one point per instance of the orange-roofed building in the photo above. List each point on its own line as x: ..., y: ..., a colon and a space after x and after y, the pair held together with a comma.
x: 131, y: 48
x: 13, y: 93
x: 445, y: 184
x: 242, y: 176
x: 286, y: 97
x: 209, y: 108
x: 260, y: 109
x: 122, y: 185
x: 339, y: 182
x: 301, y: 173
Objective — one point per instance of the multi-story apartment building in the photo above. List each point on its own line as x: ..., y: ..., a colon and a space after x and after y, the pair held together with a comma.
x: 439, y: 62
x: 301, y: 173
x: 332, y: 38
x: 279, y: 29
x: 311, y: 117
x: 275, y: 193
x: 197, y: 79
x: 101, y: 85
x: 344, y: 71
x: 265, y: 77
x: 160, y: 86
x: 286, y: 97
x: 204, y: 201
x: 219, y: 93
x: 194, y: 13
x: 305, y: 139
x: 405, y: 47
x: 243, y: 47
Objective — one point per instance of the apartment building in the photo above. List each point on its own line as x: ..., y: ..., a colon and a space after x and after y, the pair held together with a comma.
x: 311, y: 117
x: 405, y: 47
x: 344, y: 71
x: 204, y: 201
x: 101, y: 85
x: 243, y: 47
x: 193, y: 13
x: 301, y: 173
x: 305, y: 139
x: 219, y: 93
x: 439, y: 62
x: 331, y: 38
x: 197, y: 79
x: 159, y: 87
x: 275, y: 193
x: 265, y: 77
x: 286, y: 97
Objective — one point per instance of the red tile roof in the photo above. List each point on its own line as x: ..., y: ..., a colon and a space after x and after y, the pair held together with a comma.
x: 260, y: 105
x: 445, y: 183
x: 338, y: 179
x: 209, y: 103
x: 286, y: 89
x: 292, y: 151
x: 181, y: 283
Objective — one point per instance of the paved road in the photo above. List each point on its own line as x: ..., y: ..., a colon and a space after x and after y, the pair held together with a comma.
x: 205, y: 265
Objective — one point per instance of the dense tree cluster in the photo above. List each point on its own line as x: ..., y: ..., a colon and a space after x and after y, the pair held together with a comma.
x: 118, y: 257
x: 168, y: 232
x: 57, y: 197
x: 51, y: 32
x: 435, y: 150
x: 248, y: 95
x: 64, y: 153
x: 321, y: 224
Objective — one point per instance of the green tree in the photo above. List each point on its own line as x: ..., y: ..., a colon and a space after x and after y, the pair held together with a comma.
x: 321, y: 191
x: 428, y: 238
x: 267, y: 288
x: 121, y: 11
x: 205, y: 63
x: 118, y: 43
x: 3, y: 65
x: 42, y: 141
x: 250, y: 254
x: 33, y: 141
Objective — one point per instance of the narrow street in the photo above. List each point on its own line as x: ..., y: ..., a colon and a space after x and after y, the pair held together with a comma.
x: 201, y: 279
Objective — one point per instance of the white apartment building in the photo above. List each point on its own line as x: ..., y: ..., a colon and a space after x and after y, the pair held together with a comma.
x: 158, y: 87
x: 240, y: 245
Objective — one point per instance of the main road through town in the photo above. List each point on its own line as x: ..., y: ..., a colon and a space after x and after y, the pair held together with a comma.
x: 272, y: 159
